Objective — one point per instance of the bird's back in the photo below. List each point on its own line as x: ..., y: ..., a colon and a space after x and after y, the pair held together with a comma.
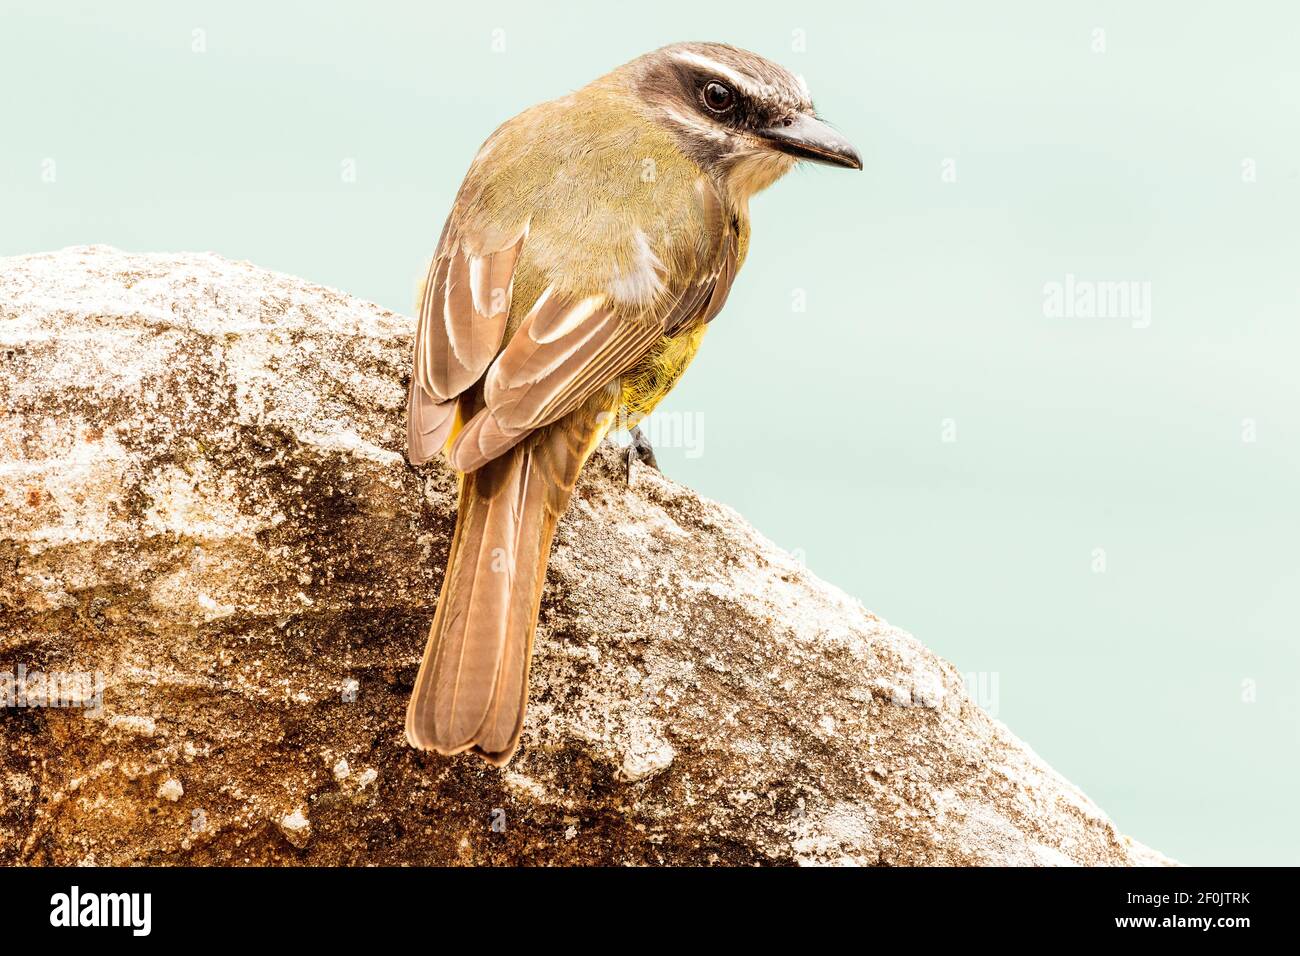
x: 609, y: 200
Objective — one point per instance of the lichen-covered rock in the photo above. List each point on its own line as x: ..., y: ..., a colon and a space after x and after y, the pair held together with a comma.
x: 204, y: 501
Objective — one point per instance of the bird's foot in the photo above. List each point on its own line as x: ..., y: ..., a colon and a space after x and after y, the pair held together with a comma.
x: 641, y: 450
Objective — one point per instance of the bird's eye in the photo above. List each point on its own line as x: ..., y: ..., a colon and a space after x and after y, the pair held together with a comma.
x: 717, y: 97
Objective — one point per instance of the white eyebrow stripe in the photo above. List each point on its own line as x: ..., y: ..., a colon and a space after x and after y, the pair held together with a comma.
x: 695, y: 59
x: 691, y: 123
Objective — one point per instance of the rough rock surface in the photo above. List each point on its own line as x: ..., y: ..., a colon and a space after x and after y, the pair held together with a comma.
x: 203, y: 497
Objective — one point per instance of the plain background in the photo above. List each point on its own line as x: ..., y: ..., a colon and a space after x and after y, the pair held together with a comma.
x: 1165, y: 683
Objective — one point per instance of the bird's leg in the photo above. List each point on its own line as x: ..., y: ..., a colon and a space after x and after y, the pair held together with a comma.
x: 641, y: 450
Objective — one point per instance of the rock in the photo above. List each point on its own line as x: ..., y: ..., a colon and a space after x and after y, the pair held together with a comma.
x: 171, y: 789
x: 296, y: 828
x: 645, y: 757
x: 131, y: 724
x: 205, y: 500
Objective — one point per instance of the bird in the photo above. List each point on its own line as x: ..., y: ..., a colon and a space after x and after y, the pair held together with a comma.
x: 593, y: 240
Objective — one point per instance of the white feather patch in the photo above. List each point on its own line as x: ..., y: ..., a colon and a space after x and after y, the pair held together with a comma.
x: 480, y: 279
x: 643, y: 281
x: 566, y: 323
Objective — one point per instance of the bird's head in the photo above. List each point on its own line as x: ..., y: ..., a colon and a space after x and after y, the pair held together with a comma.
x: 744, y: 118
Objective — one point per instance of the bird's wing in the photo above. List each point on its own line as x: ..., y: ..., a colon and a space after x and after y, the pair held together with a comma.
x: 462, y: 321
x: 567, y: 348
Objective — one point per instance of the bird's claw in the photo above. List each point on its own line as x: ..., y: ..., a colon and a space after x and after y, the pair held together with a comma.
x: 641, y: 450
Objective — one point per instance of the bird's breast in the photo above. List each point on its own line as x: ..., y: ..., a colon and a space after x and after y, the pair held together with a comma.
x: 653, y: 377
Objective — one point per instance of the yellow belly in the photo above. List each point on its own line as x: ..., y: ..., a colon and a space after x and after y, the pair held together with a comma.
x: 646, y: 384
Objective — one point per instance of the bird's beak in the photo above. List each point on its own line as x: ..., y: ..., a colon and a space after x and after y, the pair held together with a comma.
x: 807, y: 137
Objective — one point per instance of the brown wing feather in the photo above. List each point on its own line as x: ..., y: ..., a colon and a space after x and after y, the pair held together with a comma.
x: 463, y: 313
x: 428, y: 424
x: 566, y: 348
x: 562, y: 353
x: 565, y: 351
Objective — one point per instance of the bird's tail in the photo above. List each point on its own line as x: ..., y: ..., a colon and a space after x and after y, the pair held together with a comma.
x: 473, y: 682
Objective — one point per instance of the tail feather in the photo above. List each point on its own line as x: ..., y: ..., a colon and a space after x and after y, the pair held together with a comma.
x: 472, y: 686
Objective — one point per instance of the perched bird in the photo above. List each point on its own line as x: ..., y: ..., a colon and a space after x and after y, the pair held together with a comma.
x: 593, y: 240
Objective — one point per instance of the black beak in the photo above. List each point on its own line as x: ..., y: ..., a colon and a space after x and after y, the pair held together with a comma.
x: 809, y: 138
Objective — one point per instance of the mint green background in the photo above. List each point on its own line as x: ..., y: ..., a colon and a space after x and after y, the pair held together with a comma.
x: 924, y: 303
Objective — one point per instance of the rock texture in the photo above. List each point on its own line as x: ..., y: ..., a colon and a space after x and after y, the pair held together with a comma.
x: 203, y: 497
